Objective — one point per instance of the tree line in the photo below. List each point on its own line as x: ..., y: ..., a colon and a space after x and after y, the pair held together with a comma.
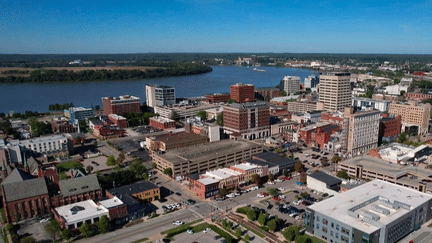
x: 41, y: 76
x: 60, y: 107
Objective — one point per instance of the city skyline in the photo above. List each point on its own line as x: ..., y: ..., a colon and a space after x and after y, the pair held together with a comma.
x: 215, y: 26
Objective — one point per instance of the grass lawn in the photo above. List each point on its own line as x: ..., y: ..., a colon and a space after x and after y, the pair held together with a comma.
x: 316, y: 240
x: 430, y: 225
x: 200, y: 227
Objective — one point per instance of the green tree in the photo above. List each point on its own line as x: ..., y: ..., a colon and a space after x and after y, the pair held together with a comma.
x: 121, y: 158
x: 402, y: 137
x: 256, y: 179
x: 251, y: 214
x: 336, y: 159
x: 308, y: 90
x: 203, y: 115
x: 53, y: 228
x: 219, y: 120
x: 272, y: 224
x: 223, y: 191
x: 299, y: 167
x: 28, y: 239
x: 238, y: 232
x: 66, y: 234
x: 271, y: 177
x: 104, y: 224
x: 272, y: 191
x: 278, y: 150
x: 303, y: 177
x: 168, y: 171
x: 262, y: 218
x: 402, y: 92
x: 291, y: 232
x: 111, y: 161
x: 343, y: 174
x: 85, y: 230
x: 89, y: 169
x: 230, y: 101
x: 145, y: 176
x: 303, y: 239
x: 154, y: 165
x: 283, y: 93
x: 175, y: 116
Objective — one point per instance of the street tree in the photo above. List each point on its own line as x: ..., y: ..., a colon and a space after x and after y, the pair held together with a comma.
x: 53, y: 228
x: 299, y: 167
x: 85, y: 230
x: 65, y: 234
x: 272, y: 225
x: 111, y: 161
x: 343, y: 174
x: 262, y: 218
x: 251, y: 214
x: 256, y: 179
x: 272, y: 191
x: 203, y: 115
x: 291, y: 233
x: 336, y: 159
x: 104, y: 224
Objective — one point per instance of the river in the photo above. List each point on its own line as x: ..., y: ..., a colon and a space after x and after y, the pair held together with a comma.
x: 37, y: 97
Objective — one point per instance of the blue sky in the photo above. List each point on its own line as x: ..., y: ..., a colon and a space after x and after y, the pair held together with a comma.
x: 361, y: 26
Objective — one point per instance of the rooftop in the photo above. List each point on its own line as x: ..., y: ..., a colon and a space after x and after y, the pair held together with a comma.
x: 248, y: 105
x: 326, y: 178
x: 112, y: 202
x: 133, y: 188
x: 116, y: 117
x: 161, y: 119
x: 79, y: 185
x: 268, y: 156
x: 74, y: 109
x: 221, y: 174
x: 208, y: 181
x: 245, y: 166
x: 25, y: 189
x: 364, y: 200
x: 76, y: 212
x: 206, y: 151
x: 43, y: 139
x: 285, y: 98
x: 182, y: 137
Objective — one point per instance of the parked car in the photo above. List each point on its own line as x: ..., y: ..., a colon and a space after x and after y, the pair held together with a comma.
x: 178, y: 222
x: 207, y: 230
x: 44, y: 220
x: 279, y: 180
x: 270, y: 183
x: 189, y: 231
x: 260, y: 195
x: 191, y: 202
x: 265, y: 194
x: 281, y: 189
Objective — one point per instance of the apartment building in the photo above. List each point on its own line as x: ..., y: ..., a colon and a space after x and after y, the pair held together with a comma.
x: 243, y: 92
x: 159, y: 95
x: 218, y: 97
x: 301, y: 106
x: 311, y: 82
x: 290, y: 84
x: 335, y: 91
x: 205, y: 157
x: 361, y: 130
x: 162, y: 123
x: 48, y: 144
x: 413, y: 114
x: 266, y: 93
x: 249, y: 120
x: 121, y: 104
x: 366, y: 103
x: 77, y: 114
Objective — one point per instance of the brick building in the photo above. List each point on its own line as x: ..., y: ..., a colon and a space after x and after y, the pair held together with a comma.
x: 121, y: 104
x: 62, y: 125
x: 243, y: 92
x: 390, y: 127
x: 417, y: 96
x: 413, y: 114
x: 218, y: 97
x: 116, y: 207
x: 107, y: 132
x: 332, y: 119
x: 172, y: 140
x: 317, y: 134
x: 118, y: 120
x: 143, y: 191
x: 249, y: 120
x: 162, y: 123
x: 204, y: 187
x: 266, y: 93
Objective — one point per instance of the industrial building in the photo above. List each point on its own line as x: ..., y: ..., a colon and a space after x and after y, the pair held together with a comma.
x: 377, y: 211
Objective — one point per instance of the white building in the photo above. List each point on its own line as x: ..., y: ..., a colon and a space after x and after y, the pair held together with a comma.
x: 159, y: 95
x: 55, y: 143
x: 312, y: 116
x: 79, y: 114
x: 324, y: 183
x: 311, y: 82
x: 376, y: 211
x: 366, y: 103
x: 395, y: 89
x: 403, y: 154
x: 76, y: 214
x: 290, y: 84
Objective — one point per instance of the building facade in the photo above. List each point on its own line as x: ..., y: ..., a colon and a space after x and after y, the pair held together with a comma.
x: 390, y: 127
x: 243, y: 92
x: 266, y: 93
x: 121, y: 104
x: 311, y: 82
x: 417, y: 96
x: 159, y: 95
x: 413, y: 114
x: 162, y: 123
x: 80, y: 114
x: 300, y: 106
x: 361, y: 130
x: 366, y: 103
x: 290, y: 84
x: 118, y: 120
x: 218, y: 97
x: 249, y: 120
x: 335, y: 91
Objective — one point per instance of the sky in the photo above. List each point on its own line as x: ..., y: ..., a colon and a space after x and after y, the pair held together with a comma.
x: 299, y: 26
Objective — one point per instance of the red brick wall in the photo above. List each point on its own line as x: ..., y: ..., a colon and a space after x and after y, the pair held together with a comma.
x: 27, y: 208
x: 322, y: 138
x: 218, y: 98
x: 417, y: 96
x: 243, y: 93
x: 162, y: 125
x: 118, y: 212
x: 392, y: 127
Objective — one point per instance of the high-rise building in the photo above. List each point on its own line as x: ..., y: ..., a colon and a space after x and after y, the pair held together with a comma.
x: 335, y: 91
x: 159, y: 95
x: 361, y: 130
x: 311, y: 81
x: 413, y: 114
x: 121, y: 104
x: 250, y: 120
x: 243, y: 92
x: 290, y: 84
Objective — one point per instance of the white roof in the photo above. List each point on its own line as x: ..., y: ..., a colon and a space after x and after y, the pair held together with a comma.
x: 337, y: 207
x: 80, y: 109
x: 245, y: 166
x: 208, y: 181
x: 112, y: 202
x: 84, y: 210
x: 221, y: 173
x: 116, y: 117
x: 284, y: 98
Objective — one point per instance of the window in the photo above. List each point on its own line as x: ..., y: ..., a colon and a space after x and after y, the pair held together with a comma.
x: 325, y: 221
x: 337, y: 227
x: 324, y: 229
x: 337, y: 235
x: 332, y: 225
x: 331, y: 232
x: 317, y: 226
x: 346, y: 231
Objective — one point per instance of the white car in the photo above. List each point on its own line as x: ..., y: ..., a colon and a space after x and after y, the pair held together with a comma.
x: 178, y: 222
x: 270, y: 183
x: 282, y: 196
x: 279, y: 180
x: 237, y: 194
x: 207, y: 230
x: 189, y: 231
x: 260, y: 195
x: 297, y: 217
x: 281, y: 189
x: 231, y: 195
x: 44, y: 220
x: 296, y: 203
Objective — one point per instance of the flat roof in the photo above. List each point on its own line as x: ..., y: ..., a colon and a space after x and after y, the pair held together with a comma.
x: 112, y: 202
x: 77, y: 212
x: 183, y: 137
x: 161, y: 119
x: 193, y: 108
x: 221, y: 174
x: 268, y: 156
x: 208, y: 181
x: 245, y: 166
x: 133, y: 188
x: 373, y: 194
x: 326, y: 178
x: 203, y: 152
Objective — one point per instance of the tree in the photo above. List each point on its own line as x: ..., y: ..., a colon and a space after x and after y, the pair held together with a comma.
x: 283, y: 93
x: 308, y: 90
x: 402, y: 92
x: 272, y: 224
x: 223, y: 191
x: 111, y: 161
x: 324, y: 162
x: 154, y: 165
x: 230, y: 101
x: 89, y: 169
x: 303, y: 239
x: 262, y: 218
x: 303, y: 177
x: 168, y: 171
x: 219, y: 120
x: 278, y: 150
x: 291, y: 233
x: 272, y: 191
x: 97, y: 107
x: 238, y: 232
x: 299, y: 166
x: 121, y: 158
x: 145, y: 176
x: 53, y: 228
x: 203, y: 115
x: 402, y: 137
x: 336, y: 159
x: 343, y: 174
x: 85, y: 230
x: 271, y: 177
x: 256, y: 179
x: 175, y: 116
x: 28, y: 239
x: 104, y: 224
x: 251, y: 214
x: 65, y: 234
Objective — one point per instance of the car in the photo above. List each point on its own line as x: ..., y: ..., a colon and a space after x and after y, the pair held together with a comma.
x: 260, y: 195
x: 244, y: 191
x: 282, y: 196
x: 281, y: 189
x: 178, y: 222
x: 223, y: 241
x: 296, y: 203
x: 189, y: 231
x: 237, y: 194
x: 44, y: 220
x: 279, y: 180
x: 216, y: 237
x: 270, y: 183
x: 297, y: 217
x: 307, y: 155
x: 178, y: 193
x: 207, y: 230
x: 231, y: 195
x: 296, y: 158
x: 265, y: 194
x: 95, y: 163
x: 220, y: 199
x: 191, y: 202
x: 80, y: 160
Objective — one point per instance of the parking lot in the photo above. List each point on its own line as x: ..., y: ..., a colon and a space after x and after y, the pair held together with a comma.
x: 35, y: 229
x: 306, y: 154
x: 196, y: 237
x: 97, y: 164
